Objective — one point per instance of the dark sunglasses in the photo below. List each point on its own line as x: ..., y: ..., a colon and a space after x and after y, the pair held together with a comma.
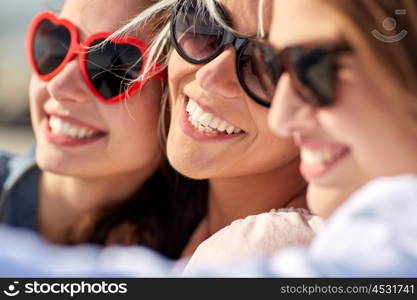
x: 111, y: 70
x: 198, y: 39
x: 312, y: 70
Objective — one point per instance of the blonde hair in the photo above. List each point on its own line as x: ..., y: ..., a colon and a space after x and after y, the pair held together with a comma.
x: 160, y: 15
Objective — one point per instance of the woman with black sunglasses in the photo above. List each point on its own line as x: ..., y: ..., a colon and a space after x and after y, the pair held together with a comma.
x: 360, y: 123
x: 99, y: 174
x: 218, y: 122
x: 344, y: 88
x: 365, y: 127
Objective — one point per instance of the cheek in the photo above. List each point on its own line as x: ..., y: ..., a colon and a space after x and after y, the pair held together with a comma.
x: 268, y: 147
x: 37, y: 91
x: 142, y: 114
x: 38, y: 95
x: 136, y: 119
x: 281, y: 150
x: 259, y: 116
x: 357, y: 120
x: 179, y: 73
x: 175, y: 70
x: 352, y: 116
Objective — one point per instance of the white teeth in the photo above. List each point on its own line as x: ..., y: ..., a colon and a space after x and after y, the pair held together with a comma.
x: 82, y: 133
x: 215, y: 123
x: 205, y: 119
x: 73, y: 132
x: 65, y: 127
x: 198, y: 112
x: 189, y: 106
x: 206, y: 122
x: 316, y: 157
x: 58, y: 126
x: 230, y: 129
x: 55, y: 125
x: 222, y: 126
x: 237, y: 130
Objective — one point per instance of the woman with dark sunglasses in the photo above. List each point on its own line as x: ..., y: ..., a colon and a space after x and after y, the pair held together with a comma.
x: 366, y: 125
x: 99, y: 174
x: 347, y: 96
x: 218, y: 125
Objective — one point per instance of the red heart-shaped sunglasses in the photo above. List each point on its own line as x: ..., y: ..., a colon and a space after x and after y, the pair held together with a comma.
x: 112, y: 70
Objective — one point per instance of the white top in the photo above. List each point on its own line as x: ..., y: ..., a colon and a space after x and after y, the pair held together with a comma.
x: 373, y: 234
x: 261, y: 234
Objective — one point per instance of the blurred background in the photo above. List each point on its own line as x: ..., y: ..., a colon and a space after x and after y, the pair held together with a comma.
x: 15, y: 15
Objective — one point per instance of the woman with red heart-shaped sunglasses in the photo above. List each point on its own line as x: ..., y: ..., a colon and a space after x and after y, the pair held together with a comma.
x: 99, y: 174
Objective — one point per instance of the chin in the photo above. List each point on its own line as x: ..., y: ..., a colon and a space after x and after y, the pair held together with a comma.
x: 185, y: 168
x: 59, y: 164
x: 323, y: 201
x: 54, y: 166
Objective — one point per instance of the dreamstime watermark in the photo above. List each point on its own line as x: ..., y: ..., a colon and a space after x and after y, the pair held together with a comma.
x: 71, y: 289
x: 390, y: 25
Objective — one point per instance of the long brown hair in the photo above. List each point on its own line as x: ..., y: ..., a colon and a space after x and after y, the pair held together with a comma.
x: 395, y: 60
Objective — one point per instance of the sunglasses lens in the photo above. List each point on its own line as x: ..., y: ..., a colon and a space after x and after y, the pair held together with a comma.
x: 50, y: 46
x: 259, y: 73
x: 112, y: 68
x: 313, y: 73
x: 198, y: 36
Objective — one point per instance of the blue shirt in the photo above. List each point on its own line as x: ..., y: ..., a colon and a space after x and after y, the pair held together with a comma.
x: 19, y: 181
x: 373, y: 234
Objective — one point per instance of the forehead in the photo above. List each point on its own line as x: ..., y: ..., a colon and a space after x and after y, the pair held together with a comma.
x: 243, y: 14
x: 92, y: 16
x: 303, y: 21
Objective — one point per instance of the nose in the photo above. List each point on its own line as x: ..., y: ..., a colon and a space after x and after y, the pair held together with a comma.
x: 218, y: 77
x: 289, y: 114
x: 69, y: 85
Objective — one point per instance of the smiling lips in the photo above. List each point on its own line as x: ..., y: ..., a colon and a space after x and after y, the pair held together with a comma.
x: 206, y: 122
x: 70, y: 130
x: 64, y: 131
x: 317, y: 162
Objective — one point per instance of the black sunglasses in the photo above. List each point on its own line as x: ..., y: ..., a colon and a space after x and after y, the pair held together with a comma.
x: 312, y: 70
x: 198, y: 39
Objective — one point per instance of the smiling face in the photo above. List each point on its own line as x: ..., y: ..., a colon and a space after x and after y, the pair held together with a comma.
x: 355, y: 139
x: 76, y: 133
x: 216, y: 130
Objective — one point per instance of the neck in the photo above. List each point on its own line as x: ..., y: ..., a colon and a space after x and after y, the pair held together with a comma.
x: 64, y: 200
x: 236, y: 198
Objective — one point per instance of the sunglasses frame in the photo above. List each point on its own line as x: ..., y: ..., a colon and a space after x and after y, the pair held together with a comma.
x: 80, y: 50
x: 229, y: 38
x: 283, y: 58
